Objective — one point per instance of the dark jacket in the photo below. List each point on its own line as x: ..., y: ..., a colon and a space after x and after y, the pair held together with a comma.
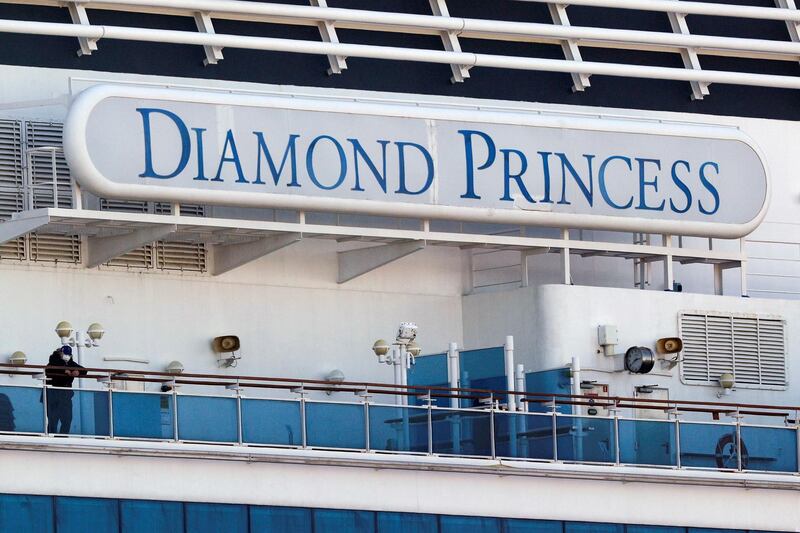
x: 57, y: 377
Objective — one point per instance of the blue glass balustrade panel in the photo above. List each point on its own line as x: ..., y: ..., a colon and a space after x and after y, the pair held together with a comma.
x: 206, y: 418
x: 216, y: 518
x: 277, y: 422
x: 585, y: 439
x: 708, y: 445
x: 407, y: 523
x: 532, y: 526
x: 335, y: 425
x: 591, y: 527
x: 429, y: 370
x: 78, y: 412
x: 482, y: 369
x: 769, y: 449
x: 402, y: 429
x: 556, y: 381
x: 21, y: 409
x: 523, y: 436
x: 137, y: 516
x: 647, y: 442
x: 79, y: 515
x: 473, y: 524
x: 280, y: 519
x: 32, y: 514
x: 654, y: 529
x: 461, y: 432
x: 335, y: 521
x: 143, y: 415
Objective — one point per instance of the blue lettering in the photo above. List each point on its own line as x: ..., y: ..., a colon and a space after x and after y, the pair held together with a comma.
x: 523, y: 166
x: 707, y: 184
x: 588, y: 193
x: 201, y: 174
x: 682, y: 186
x: 230, y: 143
x: 186, y: 148
x: 291, y: 149
x: 644, y: 182
x: 469, y: 155
x: 546, y: 170
x: 358, y: 151
x: 601, y: 180
x: 401, y: 151
x: 310, y: 162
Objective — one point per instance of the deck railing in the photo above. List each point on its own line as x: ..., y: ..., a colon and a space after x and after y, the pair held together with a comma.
x: 191, y: 408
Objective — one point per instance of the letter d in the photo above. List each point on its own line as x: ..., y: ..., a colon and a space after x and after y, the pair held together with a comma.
x: 186, y: 148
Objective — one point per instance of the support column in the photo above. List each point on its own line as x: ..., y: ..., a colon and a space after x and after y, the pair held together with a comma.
x: 450, y: 41
x: 690, y: 60
x: 669, y: 275
x: 78, y: 15
x: 558, y: 12
x: 327, y: 31
x: 565, y: 264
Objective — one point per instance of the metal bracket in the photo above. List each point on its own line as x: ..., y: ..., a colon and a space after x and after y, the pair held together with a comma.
x: 226, y: 257
x: 79, y: 16
x: 354, y: 263
x: 327, y: 32
x: 690, y: 60
x: 793, y: 27
x: 103, y: 249
x: 206, y: 25
x: 13, y: 229
x: 558, y: 12
x: 450, y: 41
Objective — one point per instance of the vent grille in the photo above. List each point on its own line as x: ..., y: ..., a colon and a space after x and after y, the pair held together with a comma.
x: 55, y: 248
x: 11, y: 183
x: 183, y: 256
x: 751, y: 348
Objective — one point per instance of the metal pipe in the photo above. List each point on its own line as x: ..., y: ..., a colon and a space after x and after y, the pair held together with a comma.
x: 480, y: 28
x: 508, y: 351
x: 398, y: 54
x: 691, y: 8
x: 453, y: 370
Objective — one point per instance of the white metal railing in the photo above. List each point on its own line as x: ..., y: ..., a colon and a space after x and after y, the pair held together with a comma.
x: 465, y: 28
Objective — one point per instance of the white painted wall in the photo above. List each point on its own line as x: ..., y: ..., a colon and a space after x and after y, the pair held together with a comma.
x: 515, y: 490
x: 553, y: 323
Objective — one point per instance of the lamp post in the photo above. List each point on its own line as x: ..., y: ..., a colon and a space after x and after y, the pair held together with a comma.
x: 397, y: 355
x: 79, y: 339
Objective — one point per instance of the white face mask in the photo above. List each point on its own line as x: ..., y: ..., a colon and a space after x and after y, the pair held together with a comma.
x: 65, y: 357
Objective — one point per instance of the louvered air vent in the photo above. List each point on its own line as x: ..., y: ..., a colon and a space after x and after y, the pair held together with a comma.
x: 752, y: 348
x: 11, y: 176
x: 183, y: 256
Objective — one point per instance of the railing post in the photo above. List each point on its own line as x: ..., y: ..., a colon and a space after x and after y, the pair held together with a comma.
x: 738, y: 440
x: 44, y: 405
x: 110, y: 409
x: 175, y: 411
x: 366, y: 424
x: 491, y: 426
x: 677, y: 441
x: 616, y: 434
x: 555, y: 429
x: 797, y: 432
x: 239, y: 428
x: 303, y: 436
x: 430, y: 424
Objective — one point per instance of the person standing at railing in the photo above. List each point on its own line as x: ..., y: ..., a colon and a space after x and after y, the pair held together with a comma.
x: 59, y: 400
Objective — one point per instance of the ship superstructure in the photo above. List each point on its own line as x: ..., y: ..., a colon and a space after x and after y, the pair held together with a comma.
x: 416, y: 266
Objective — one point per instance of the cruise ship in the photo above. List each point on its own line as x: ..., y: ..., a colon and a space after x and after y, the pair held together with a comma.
x: 399, y: 266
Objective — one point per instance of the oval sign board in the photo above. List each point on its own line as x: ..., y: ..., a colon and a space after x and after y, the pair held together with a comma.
x: 396, y: 159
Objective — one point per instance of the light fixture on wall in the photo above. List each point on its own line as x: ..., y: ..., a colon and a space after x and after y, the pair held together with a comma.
x: 18, y: 358
x: 400, y: 354
x: 80, y: 339
x: 175, y: 367
x: 727, y: 382
x: 336, y: 377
